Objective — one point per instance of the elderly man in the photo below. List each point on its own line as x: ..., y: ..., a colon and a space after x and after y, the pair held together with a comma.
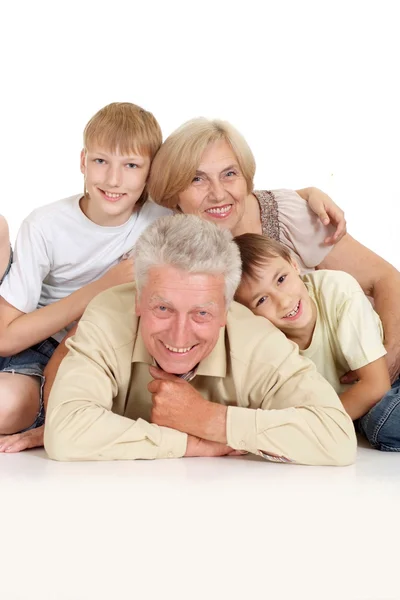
x: 165, y: 370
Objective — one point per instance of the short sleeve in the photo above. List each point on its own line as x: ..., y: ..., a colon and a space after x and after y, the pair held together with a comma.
x: 301, y: 230
x: 359, y: 332
x: 31, y: 264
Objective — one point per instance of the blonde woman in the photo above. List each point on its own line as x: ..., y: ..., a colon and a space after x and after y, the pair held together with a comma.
x: 207, y: 168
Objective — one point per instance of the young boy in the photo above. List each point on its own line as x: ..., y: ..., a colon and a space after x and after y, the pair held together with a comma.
x: 325, y: 313
x: 69, y: 251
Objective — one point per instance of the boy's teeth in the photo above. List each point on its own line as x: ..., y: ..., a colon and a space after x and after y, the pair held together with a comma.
x: 224, y: 209
x: 179, y: 350
x: 294, y: 311
x: 112, y: 195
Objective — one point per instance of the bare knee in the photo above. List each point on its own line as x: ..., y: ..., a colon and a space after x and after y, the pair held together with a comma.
x: 19, y: 402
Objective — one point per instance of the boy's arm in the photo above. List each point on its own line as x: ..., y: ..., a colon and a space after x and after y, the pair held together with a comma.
x: 372, y: 385
x: 380, y: 280
x: 19, y: 331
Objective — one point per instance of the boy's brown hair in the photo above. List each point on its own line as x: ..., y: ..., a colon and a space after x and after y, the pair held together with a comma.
x: 257, y: 250
x: 126, y: 128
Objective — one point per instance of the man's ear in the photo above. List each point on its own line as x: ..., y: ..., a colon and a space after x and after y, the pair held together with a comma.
x: 83, y: 162
x: 224, y: 318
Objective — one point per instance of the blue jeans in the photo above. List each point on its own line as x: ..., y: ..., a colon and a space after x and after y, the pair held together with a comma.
x: 381, y: 425
x: 31, y: 362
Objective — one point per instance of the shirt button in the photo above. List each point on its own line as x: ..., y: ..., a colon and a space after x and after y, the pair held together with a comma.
x: 170, y: 455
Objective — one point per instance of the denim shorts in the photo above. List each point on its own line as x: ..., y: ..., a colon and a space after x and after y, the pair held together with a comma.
x: 2, y: 275
x: 31, y: 362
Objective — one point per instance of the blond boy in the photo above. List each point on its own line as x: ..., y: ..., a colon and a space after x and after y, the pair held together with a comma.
x: 69, y: 251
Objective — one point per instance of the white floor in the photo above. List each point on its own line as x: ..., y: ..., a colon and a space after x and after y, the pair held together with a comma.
x: 199, y: 528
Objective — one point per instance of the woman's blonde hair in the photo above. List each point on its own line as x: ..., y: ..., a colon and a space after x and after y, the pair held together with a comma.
x: 175, y: 164
x: 125, y: 128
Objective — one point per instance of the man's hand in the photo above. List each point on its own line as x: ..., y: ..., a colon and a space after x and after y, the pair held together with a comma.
x: 198, y: 447
x: 176, y: 404
x: 17, y: 442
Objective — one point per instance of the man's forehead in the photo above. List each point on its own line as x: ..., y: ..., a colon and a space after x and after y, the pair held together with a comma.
x: 171, y: 300
x: 171, y: 278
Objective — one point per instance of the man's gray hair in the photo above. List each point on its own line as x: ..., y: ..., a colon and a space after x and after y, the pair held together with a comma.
x: 191, y: 244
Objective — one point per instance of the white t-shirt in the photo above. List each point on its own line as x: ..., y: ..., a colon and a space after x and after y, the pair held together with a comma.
x: 59, y: 250
x: 348, y: 333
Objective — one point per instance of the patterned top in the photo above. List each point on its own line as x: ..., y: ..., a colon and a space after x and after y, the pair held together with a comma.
x: 287, y: 218
x: 269, y: 214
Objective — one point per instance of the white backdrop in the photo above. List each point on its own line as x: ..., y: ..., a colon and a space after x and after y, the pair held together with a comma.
x: 314, y: 88
x: 312, y: 85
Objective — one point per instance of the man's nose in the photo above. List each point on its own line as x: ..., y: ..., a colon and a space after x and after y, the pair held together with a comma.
x: 180, y: 330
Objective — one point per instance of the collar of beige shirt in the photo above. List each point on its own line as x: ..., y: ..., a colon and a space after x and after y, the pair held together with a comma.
x: 214, y: 365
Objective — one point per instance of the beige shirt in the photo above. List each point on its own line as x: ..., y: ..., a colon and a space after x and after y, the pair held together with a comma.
x: 348, y: 333
x: 278, y: 405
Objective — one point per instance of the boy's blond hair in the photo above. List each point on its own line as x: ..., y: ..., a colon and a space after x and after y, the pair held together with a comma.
x: 257, y: 250
x: 125, y: 128
x: 176, y: 162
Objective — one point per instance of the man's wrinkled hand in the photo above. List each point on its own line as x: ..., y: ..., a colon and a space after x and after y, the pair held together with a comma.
x: 17, y: 442
x: 176, y: 404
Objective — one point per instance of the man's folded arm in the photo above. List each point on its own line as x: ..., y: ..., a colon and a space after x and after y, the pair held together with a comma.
x: 311, y: 427
x: 79, y: 421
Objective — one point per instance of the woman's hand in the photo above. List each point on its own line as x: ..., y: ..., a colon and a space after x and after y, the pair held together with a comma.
x: 328, y: 212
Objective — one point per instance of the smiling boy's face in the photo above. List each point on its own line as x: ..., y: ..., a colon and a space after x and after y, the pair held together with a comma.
x: 114, y: 183
x: 280, y: 295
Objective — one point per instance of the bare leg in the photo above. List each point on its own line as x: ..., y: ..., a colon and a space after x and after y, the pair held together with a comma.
x: 34, y: 437
x: 19, y: 402
x: 4, y: 246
